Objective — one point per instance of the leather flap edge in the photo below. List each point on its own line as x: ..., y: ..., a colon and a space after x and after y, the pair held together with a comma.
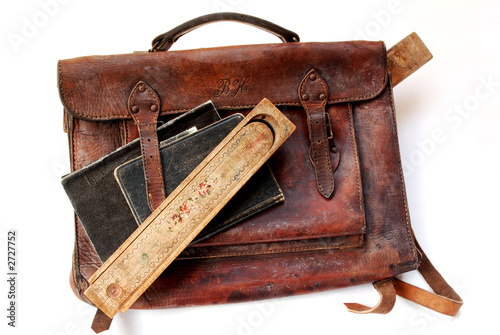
x: 236, y: 77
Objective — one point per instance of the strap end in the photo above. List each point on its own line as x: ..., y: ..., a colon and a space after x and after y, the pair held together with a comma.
x: 101, y: 322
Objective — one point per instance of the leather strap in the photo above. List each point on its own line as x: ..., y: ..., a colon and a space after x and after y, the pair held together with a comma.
x: 444, y: 299
x: 101, y: 322
x: 164, y: 41
x: 313, y: 95
x: 144, y: 107
x: 385, y: 289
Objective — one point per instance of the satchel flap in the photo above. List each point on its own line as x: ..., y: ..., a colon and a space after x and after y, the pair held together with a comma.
x: 97, y: 87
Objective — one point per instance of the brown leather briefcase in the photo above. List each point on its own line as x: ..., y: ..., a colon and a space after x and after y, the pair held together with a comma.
x: 344, y: 220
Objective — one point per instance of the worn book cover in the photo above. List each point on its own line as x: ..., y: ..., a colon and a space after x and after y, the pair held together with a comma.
x: 180, y: 158
x: 97, y: 198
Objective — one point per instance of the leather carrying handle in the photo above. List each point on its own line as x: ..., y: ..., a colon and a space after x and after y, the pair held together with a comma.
x: 164, y: 41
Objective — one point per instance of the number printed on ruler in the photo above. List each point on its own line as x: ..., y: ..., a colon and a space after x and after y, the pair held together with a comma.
x: 11, y: 277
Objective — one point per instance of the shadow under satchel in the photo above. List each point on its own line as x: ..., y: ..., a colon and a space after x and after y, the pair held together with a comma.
x: 344, y: 220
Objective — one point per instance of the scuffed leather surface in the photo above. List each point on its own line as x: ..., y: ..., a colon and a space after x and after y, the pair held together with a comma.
x: 343, y: 251
x: 205, y: 250
x: 92, y: 139
x: 389, y: 247
x: 306, y: 214
x: 354, y: 71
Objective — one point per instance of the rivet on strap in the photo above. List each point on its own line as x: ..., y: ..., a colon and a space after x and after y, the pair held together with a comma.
x: 313, y: 95
x: 144, y: 107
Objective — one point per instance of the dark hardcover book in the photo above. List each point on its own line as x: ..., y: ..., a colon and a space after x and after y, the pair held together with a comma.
x: 96, y: 197
x: 180, y: 158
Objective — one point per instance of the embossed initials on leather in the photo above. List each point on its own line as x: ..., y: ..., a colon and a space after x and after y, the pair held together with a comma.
x: 144, y: 106
x: 313, y: 95
x: 231, y: 86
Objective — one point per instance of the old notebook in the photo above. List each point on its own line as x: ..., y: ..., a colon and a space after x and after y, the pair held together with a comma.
x: 96, y: 197
x: 180, y: 158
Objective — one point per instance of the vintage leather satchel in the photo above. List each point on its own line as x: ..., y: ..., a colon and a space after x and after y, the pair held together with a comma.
x: 344, y: 220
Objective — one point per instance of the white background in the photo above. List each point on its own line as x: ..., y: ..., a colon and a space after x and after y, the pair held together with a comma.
x: 448, y: 126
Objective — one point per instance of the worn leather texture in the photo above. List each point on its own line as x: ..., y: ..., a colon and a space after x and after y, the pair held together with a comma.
x: 143, y: 105
x: 359, y: 234
x: 313, y: 91
x: 164, y: 41
x: 236, y: 77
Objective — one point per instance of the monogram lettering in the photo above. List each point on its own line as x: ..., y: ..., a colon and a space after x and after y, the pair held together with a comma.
x: 231, y: 86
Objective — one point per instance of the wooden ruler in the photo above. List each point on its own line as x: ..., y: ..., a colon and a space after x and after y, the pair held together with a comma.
x: 406, y: 57
x: 188, y: 209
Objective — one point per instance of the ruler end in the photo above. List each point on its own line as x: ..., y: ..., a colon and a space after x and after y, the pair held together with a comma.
x: 406, y: 57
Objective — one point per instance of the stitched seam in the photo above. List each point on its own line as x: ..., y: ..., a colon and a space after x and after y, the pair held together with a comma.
x: 104, y: 117
x: 75, y: 148
x: 355, y: 154
x: 76, y: 256
x: 174, y: 111
x: 143, y: 146
x: 108, y: 117
x: 123, y: 132
x: 375, y: 93
x: 61, y: 84
x: 144, y: 151
x: 181, y: 110
x: 312, y: 132
x: 155, y: 145
x: 407, y: 214
x: 127, y: 131
x: 309, y: 127
x: 145, y: 164
x: 276, y: 251
x: 325, y: 152
x: 231, y: 107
